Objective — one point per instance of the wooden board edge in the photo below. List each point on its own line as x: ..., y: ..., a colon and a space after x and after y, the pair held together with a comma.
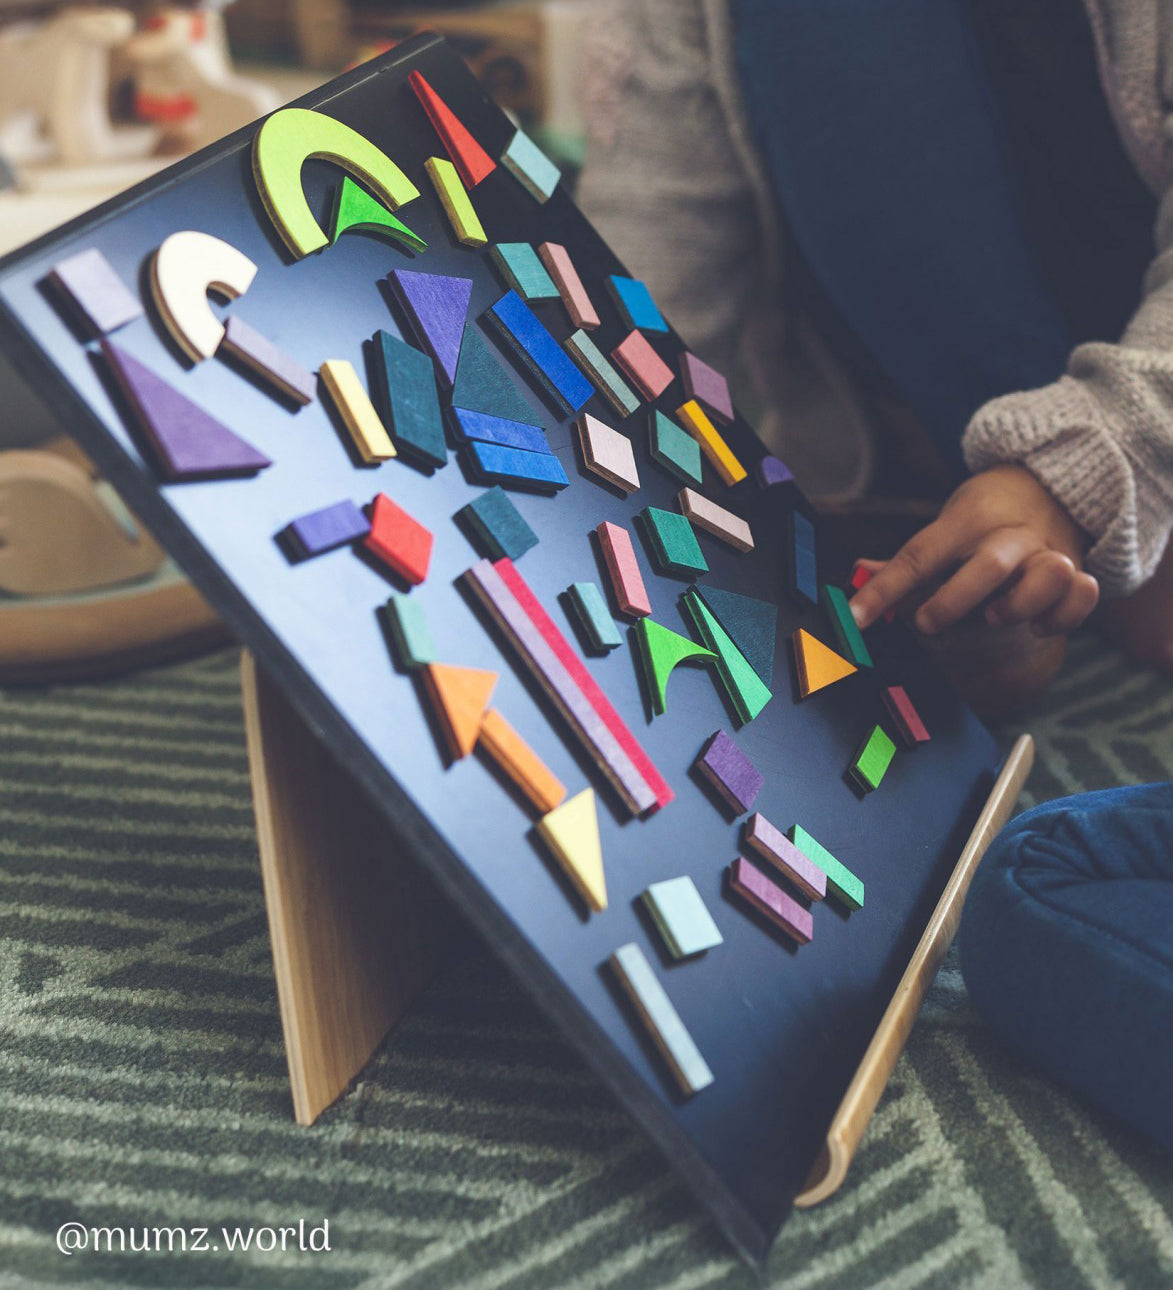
x: 863, y: 1094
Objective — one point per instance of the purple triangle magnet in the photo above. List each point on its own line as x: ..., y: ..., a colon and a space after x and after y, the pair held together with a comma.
x: 436, y: 306
x: 188, y: 443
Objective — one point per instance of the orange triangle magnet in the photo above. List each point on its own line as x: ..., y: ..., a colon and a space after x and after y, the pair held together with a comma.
x: 818, y: 665
x: 460, y: 697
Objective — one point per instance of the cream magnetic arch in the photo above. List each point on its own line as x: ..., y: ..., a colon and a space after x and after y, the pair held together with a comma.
x: 291, y: 137
x: 183, y: 270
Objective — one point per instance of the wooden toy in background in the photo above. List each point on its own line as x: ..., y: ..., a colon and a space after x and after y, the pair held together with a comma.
x: 184, y: 80
x: 55, y: 90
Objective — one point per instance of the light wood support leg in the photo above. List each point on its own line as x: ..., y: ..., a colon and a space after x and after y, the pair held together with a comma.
x: 355, y: 929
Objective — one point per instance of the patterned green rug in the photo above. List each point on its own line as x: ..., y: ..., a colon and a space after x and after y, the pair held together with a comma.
x: 142, y: 1077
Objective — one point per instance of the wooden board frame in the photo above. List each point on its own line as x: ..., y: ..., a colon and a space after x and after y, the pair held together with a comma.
x: 866, y: 1088
x: 347, y: 975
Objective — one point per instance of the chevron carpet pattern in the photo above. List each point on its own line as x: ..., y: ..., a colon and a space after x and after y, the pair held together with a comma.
x: 142, y: 1078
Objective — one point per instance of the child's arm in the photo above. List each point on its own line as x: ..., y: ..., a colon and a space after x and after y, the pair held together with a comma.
x: 1000, y: 529
x: 1082, y: 469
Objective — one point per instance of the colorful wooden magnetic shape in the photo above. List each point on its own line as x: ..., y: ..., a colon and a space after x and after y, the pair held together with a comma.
x: 770, y: 471
x: 842, y: 884
x: 400, y: 542
x: 540, y: 354
x: 522, y: 269
x: 483, y: 384
x: 860, y: 577
x: 721, y: 457
x: 489, y: 429
x: 100, y: 299
x: 411, y: 637
x: 499, y: 527
x: 593, y: 616
x: 682, y: 918
x: 256, y: 352
x: 564, y: 677
x: 678, y: 452
x: 635, y: 304
x: 188, y: 444
x: 436, y: 306
x: 802, y: 561
x: 729, y: 772
x: 355, y: 208
x: 818, y: 665
x: 706, y: 386
x: 775, y: 847
x: 510, y: 753
x: 453, y: 197
x: 289, y: 138
x: 752, y: 625
x: 571, y: 831
x: 748, y: 882
x: 184, y: 269
x: 629, y: 746
x: 661, y: 1020
x: 643, y: 367
x: 802, y: 531
x: 530, y: 166
x: 406, y: 382
x: 672, y: 542
x: 627, y: 583
x: 494, y: 463
x: 715, y: 520
x: 904, y: 715
x: 574, y: 295
x: 592, y: 362
x: 843, y: 624
x: 363, y: 424
x: 607, y: 453
x: 473, y: 162
x: 326, y: 529
x: 661, y: 651
x: 872, y: 760
x: 748, y: 693
x: 460, y: 698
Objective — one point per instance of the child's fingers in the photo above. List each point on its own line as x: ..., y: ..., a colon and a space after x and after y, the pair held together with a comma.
x: 1045, y: 580
x: 992, y: 564
x: 1075, y: 606
x: 922, y: 557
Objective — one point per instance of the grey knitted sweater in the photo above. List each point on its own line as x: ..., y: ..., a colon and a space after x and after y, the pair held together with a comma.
x: 675, y: 182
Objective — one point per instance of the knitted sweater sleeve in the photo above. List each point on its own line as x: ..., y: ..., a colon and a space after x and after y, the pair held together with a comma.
x: 1100, y: 438
x: 665, y: 179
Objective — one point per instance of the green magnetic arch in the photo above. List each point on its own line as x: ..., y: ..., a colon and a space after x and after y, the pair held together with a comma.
x: 356, y: 208
x: 293, y: 136
x: 661, y: 649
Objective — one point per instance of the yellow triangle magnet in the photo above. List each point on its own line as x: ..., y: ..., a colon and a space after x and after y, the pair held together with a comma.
x: 571, y: 831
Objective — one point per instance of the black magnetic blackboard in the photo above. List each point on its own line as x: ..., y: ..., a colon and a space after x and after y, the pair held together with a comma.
x: 782, y: 1029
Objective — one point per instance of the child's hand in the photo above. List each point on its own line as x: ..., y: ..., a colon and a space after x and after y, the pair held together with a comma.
x: 999, y: 530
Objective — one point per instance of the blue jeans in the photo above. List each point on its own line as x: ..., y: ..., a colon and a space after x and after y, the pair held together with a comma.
x: 1067, y: 947
x: 889, y: 157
